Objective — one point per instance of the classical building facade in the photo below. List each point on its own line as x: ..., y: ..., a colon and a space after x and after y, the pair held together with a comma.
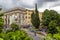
x: 20, y: 16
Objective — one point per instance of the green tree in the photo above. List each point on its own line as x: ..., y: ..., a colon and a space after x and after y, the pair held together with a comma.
x: 58, y: 20
x: 35, y: 18
x: 45, y: 17
x: 52, y: 27
x: 1, y: 20
x: 51, y: 19
x: 48, y: 16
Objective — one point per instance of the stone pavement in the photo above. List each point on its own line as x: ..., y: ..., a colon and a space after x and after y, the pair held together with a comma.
x: 32, y: 35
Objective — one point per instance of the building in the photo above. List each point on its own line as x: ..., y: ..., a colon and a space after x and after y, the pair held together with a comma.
x: 18, y: 15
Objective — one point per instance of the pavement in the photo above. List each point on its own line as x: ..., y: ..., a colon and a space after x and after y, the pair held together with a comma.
x: 32, y: 34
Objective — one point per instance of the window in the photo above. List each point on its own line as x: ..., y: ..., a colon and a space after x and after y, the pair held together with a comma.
x: 29, y: 17
x: 28, y: 13
x: 26, y: 17
x: 25, y: 13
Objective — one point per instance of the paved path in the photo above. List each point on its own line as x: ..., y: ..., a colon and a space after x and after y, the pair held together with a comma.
x: 31, y: 34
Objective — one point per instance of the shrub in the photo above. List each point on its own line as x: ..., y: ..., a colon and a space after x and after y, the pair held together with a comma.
x: 48, y: 37
x: 14, y: 26
x: 1, y: 38
x: 56, y: 36
x: 16, y: 35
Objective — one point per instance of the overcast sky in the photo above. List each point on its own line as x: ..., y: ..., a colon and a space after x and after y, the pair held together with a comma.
x: 42, y: 4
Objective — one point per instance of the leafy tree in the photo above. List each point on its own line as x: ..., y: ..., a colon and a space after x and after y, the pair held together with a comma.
x: 58, y: 20
x: 48, y: 16
x: 52, y: 27
x: 45, y: 17
x: 51, y: 19
x: 35, y: 18
x: 58, y: 28
x: 1, y: 20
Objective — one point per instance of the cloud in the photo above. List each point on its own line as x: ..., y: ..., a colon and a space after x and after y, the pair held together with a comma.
x: 6, y: 4
x: 57, y: 8
x: 27, y: 3
x: 42, y: 4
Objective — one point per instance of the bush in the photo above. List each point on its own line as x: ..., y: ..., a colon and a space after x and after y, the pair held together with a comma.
x: 48, y: 37
x: 14, y: 26
x: 56, y: 36
x: 1, y: 39
x: 17, y: 35
x: 58, y: 28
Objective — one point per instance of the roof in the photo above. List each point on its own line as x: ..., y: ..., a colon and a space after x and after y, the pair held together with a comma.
x: 18, y: 8
x: 15, y: 8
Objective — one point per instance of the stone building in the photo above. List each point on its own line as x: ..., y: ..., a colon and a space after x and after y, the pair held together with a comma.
x: 18, y: 15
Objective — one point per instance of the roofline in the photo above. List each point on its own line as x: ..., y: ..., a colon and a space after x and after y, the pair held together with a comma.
x: 17, y: 8
x: 13, y: 9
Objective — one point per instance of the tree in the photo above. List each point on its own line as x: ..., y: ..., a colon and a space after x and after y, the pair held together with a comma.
x: 51, y: 19
x: 52, y: 27
x: 48, y: 16
x: 58, y: 20
x: 35, y: 18
x: 1, y: 20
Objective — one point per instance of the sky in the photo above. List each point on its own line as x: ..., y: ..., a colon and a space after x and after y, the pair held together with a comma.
x: 30, y: 4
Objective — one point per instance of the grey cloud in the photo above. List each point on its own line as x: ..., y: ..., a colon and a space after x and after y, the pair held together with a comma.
x: 50, y: 0
x: 20, y: 4
x: 40, y: 3
x: 56, y: 4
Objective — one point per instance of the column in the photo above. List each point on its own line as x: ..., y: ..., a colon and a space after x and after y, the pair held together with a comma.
x: 7, y: 21
x: 4, y: 17
x: 19, y: 20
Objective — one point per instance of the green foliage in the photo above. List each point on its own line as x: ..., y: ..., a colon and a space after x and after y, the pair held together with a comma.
x: 1, y: 38
x: 1, y: 20
x: 52, y: 27
x: 51, y: 19
x: 56, y: 36
x: 1, y: 14
x: 58, y: 20
x: 58, y: 28
x: 35, y: 18
x: 48, y: 37
x: 0, y: 8
x: 14, y: 26
x: 48, y: 16
x: 17, y: 35
x: 45, y: 17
